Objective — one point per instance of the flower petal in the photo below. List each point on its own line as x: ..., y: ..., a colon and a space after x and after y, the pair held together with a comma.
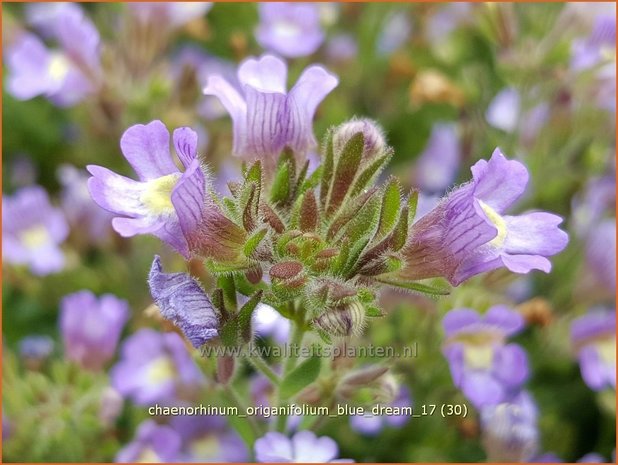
x: 458, y: 319
x: 147, y: 149
x: 311, y: 88
x: 525, y: 263
x: 185, y: 143
x: 235, y: 105
x: 504, y: 318
x: 181, y: 300
x: 310, y: 449
x: 265, y: 74
x: 188, y: 198
x: 499, y: 182
x: 482, y: 389
x: 273, y: 447
x: 115, y: 193
x: 534, y: 234
x: 511, y: 365
x: 267, y: 125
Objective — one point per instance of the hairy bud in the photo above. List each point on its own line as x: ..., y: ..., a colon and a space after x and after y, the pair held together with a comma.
x: 373, y: 137
x: 343, y: 321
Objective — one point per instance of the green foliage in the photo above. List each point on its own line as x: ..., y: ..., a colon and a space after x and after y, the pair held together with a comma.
x: 302, y: 376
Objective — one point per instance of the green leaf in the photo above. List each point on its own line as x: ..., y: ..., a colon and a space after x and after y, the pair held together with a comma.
x: 348, y: 162
x: 412, y: 205
x: 397, y: 238
x: 253, y: 241
x: 369, y: 174
x: 244, y: 316
x: 327, y: 167
x: 229, y: 333
x: 302, y: 376
x: 436, y: 288
x: 391, y: 202
x: 242, y: 427
x: 226, y: 284
x: 281, y: 188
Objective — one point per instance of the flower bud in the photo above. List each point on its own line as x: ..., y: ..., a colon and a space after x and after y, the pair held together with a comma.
x: 380, y: 387
x: 342, y: 321
x: 374, y: 142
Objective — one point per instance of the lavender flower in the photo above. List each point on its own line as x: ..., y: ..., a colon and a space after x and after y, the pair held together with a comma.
x: 504, y: 110
x: 594, y: 338
x: 173, y: 206
x: 303, y: 447
x: 32, y: 231
x: 182, y: 300
x: 342, y: 48
x: 82, y: 213
x: 589, y: 206
x: 266, y: 118
x: 601, y: 254
x: 482, y: 365
x: 36, y: 348
x: 395, y: 32
x: 437, y: 166
x: 91, y: 327
x: 289, y: 29
x: 446, y: 19
x: 65, y: 75
x: 467, y: 233
x: 208, y: 439
x: 510, y: 430
x: 598, y: 46
x: 153, y: 443
x: 372, y: 425
x: 155, y: 367
x: 592, y: 457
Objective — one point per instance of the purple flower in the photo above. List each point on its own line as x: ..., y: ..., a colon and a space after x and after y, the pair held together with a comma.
x: 601, y: 254
x: 467, y: 233
x: 65, y: 75
x: 589, y: 206
x: 269, y: 322
x: 32, y: 231
x: 510, y: 430
x: 303, y: 447
x: 169, y: 14
x: 594, y: 338
x: 598, y: 46
x: 592, y: 457
x: 395, y: 32
x: 265, y: 116
x: 342, y: 48
x: 36, y: 347
x: 372, y: 425
x: 289, y: 29
x: 482, y: 365
x: 165, y: 202
x: 153, y: 443
x: 155, y: 367
x: 446, y: 19
x: 208, y: 439
x: 504, y: 110
x: 182, y: 300
x: 82, y: 213
x: 91, y: 327
x: 437, y: 166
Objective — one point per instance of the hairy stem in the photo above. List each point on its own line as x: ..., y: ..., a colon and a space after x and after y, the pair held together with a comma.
x: 260, y: 365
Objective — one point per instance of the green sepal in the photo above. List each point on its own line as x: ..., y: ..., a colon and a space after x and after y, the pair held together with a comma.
x: 431, y: 287
x: 327, y: 167
x: 348, y: 162
x: 244, y: 316
x: 253, y: 241
x: 282, y: 186
x: 391, y: 203
x: 370, y: 173
x: 412, y: 206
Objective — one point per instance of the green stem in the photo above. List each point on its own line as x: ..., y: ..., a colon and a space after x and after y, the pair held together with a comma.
x: 236, y: 400
x: 288, y: 366
x: 259, y: 364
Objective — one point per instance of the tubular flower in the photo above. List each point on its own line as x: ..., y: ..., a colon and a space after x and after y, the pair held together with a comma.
x: 266, y: 117
x: 467, y: 233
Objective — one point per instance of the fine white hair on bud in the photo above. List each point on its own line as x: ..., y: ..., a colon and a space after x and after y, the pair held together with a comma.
x: 346, y: 320
x: 373, y: 136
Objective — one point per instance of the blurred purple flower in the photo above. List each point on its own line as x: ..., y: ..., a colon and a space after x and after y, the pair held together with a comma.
x: 341, y: 48
x: 483, y: 366
x: 446, y: 19
x: 265, y: 116
x: 23, y: 171
x: 395, y: 32
x: 91, y: 327
x: 548, y: 457
x: 6, y: 426
x: 437, y: 165
x: 592, y: 457
x: 169, y: 14
x: 208, y: 439
x: 289, y: 29
x: 504, y: 110
x: 510, y: 430
x: 588, y: 207
x: 45, y: 16
x: 32, y: 230
x: 153, y: 444
x: 155, y: 367
x: 183, y: 301
x: 594, y: 338
x: 303, y: 447
x: 372, y: 425
x: 36, y: 347
x: 599, y: 46
x: 65, y: 75
x: 81, y: 212
x: 467, y: 233
x: 601, y: 254
x: 269, y: 322
x: 165, y: 202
